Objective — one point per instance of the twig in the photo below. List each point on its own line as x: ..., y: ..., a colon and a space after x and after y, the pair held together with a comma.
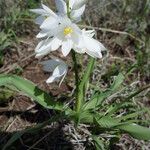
x: 138, y: 92
x: 12, y: 67
x: 114, y: 31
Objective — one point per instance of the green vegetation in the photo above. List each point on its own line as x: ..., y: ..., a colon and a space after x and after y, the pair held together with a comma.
x: 114, y: 100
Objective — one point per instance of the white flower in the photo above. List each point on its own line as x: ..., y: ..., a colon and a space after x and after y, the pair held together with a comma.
x: 44, y: 13
x: 48, y: 19
x: 67, y: 35
x: 58, y: 67
x: 89, y: 45
x: 76, y: 7
x: 76, y: 10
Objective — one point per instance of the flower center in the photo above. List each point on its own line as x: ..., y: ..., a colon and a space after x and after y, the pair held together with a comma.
x: 68, y: 30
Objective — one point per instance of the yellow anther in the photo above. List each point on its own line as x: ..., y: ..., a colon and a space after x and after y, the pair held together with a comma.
x: 68, y: 30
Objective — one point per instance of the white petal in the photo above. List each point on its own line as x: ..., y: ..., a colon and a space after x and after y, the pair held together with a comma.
x: 39, y: 20
x: 79, y: 41
x: 50, y: 65
x: 79, y: 47
x: 58, y: 72
x: 76, y: 14
x: 43, y: 53
x: 102, y: 46
x: 55, y: 44
x: 39, y: 45
x: 76, y: 35
x: 43, y: 46
x: 89, y: 45
x: 48, y: 45
x: 93, y: 47
x: 92, y: 44
x: 66, y: 47
x: 42, y: 34
x: 43, y: 50
x: 79, y: 3
x: 49, y: 22
x: 52, y: 79
x: 48, y: 10
x: 38, y: 11
x: 94, y: 54
x: 89, y: 33
x: 61, y: 6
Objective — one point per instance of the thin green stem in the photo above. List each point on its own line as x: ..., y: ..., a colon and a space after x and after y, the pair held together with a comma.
x: 76, y: 71
x: 68, y: 9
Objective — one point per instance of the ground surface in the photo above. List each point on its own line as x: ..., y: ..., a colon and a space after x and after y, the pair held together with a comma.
x: 18, y: 112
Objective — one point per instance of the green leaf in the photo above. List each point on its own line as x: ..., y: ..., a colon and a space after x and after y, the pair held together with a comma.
x: 138, y: 132
x: 31, y: 90
x: 86, y: 117
x: 99, y: 98
x: 96, y: 100
x: 99, y: 144
x: 133, y: 115
x: 106, y: 122
x: 116, y: 107
x: 117, y: 82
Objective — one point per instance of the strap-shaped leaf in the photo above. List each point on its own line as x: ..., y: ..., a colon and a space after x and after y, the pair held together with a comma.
x: 117, y: 82
x: 99, y: 144
x: 96, y: 100
x: 31, y: 90
x: 99, y: 98
x: 138, y: 132
x: 116, y: 107
x: 107, y: 122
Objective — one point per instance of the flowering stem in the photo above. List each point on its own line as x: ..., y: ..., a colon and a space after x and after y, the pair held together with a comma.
x: 75, y: 63
x: 76, y: 71
x: 80, y: 88
x: 85, y: 78
x: 68, y: 9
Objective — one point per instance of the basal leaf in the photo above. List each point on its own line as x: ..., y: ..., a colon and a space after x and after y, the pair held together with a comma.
x: 138, y: 132
x: 100, y: 97
x: 96, y: 100
x: 107, y: 122
x: 117, y: 82
x: 31, y: 90
x: 99, y: 144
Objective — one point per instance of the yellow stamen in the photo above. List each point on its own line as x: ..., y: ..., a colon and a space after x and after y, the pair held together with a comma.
x: 68, y: 30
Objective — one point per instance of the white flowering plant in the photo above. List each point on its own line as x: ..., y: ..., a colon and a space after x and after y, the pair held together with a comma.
x: 59, y: 31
